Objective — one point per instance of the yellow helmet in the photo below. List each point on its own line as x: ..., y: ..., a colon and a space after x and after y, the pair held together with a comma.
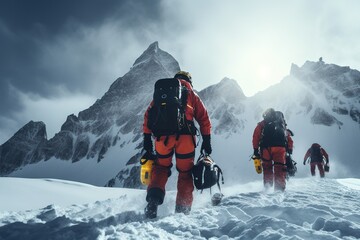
x: 184, y: 75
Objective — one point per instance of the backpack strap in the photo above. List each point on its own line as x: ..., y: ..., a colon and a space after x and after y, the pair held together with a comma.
x: 166, y: 140
x: 217, y: 181
x: 222, y: 177
x: 182, y: 105
x: 202, y: 155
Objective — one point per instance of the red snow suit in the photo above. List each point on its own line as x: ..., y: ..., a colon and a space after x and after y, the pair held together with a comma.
x: 273, y: 159
x: 184, y: 150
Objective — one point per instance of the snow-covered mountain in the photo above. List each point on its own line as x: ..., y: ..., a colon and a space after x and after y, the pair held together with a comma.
x: 102, y: 144
x: 311, y: 208
x: 95, y: 145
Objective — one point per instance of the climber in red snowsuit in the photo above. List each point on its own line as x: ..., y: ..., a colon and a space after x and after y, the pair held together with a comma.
x: 184, y: 148
x: 317, y: 155
x: 273, y: 150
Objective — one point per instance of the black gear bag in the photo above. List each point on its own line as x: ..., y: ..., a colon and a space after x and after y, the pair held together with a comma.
x: 206, y: 173
x: 291, y: 168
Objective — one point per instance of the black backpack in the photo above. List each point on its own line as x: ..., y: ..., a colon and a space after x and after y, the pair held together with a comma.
x: 206, y: 173
x: 274, y: 131
x: 167, y: 115
x: 316, y: 155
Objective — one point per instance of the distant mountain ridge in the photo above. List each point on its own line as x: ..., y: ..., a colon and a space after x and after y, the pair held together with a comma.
x: 103, y: 142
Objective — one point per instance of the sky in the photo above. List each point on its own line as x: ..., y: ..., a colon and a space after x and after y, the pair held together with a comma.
x: 58, y: 57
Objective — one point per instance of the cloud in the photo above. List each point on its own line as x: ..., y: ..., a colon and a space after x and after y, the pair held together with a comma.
x: 81, y: 47
x: 48, y: 48
x: 58, y: 44
x: 238, y: 39
x: 52, y: 111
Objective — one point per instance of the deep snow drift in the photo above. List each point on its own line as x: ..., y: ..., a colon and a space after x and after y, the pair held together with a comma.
x: 311, y: 208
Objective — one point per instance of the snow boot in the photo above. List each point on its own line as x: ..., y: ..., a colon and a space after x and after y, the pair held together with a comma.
x: 183, y: 209
x: 151, y: 210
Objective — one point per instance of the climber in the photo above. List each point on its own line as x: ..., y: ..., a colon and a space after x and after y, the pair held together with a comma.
x: 174, y: 133
x: 317, y: 157
x: 271, y: 142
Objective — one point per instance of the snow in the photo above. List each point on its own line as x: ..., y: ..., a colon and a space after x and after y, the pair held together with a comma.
x: 350, y: 183
x: 310, y: 208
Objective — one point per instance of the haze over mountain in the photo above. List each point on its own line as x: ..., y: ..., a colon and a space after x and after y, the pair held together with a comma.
x: 101, y: 145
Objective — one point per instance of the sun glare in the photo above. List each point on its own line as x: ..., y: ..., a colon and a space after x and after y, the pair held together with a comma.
x: 264, y: 72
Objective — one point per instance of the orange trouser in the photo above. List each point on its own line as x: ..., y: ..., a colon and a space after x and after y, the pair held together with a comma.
x: 320, y: 166
x: 273, y: 162
x: 184, y: 150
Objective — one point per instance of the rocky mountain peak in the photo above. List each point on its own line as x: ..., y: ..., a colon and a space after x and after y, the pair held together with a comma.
x: 31, y: 131
x: 227, y: 90
x: 72, y: 124
x: 22, y: 147
x: 154, y: 53
x: 231, y: 87
x: 224, y: 102
x: 151, y: 51
x: 341, y: 78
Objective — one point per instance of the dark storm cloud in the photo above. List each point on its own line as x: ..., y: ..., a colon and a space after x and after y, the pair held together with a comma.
x: 51, y: 14
x: 30, y: 28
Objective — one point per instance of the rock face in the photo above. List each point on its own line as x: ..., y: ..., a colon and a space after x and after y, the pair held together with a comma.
x: 225, y: 103
x: 23, y: 148
x: 339, y: 85
x: 107, y: 137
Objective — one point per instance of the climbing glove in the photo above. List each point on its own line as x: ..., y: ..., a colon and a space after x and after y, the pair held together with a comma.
x: 148, y: 144
x: 206, y: 145
x: 256, y: 153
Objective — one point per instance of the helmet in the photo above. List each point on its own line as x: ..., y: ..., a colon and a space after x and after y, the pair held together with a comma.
x: 269, y: 114
x: 184, y: 75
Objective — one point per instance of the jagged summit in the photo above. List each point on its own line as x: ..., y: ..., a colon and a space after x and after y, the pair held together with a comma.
x: 324, y: 91
x: 227, y: 89
x: 31, y: 130
x: 232, y: 87
x: 329, y: 77
x: 151, y: 51
x: 26, y: 143
x: 224, y: 101
x: 154, y: 53
x: 153, y: 63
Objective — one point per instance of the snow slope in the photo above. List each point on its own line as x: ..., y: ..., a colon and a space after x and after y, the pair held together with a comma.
x: 311, y: 208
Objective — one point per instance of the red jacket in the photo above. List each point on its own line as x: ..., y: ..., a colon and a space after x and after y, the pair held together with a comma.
x: 195, y: 109
x: 257, y: 136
